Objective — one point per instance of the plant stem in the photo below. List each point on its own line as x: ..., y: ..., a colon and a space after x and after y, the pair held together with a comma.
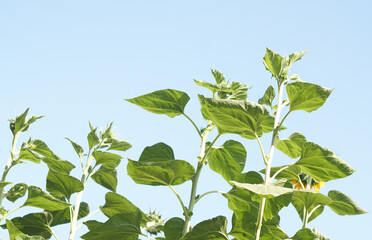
x: 202, y: 157
x: 8, y: 165
x: 6, y: 214
x: 277, y: 173
x: 304, y: 218
x: 179, y: 199
x: 204, y: 194
x: 262, y: 150
x: 86, y: 218
x: 270, y: 159
x: 196, y: 127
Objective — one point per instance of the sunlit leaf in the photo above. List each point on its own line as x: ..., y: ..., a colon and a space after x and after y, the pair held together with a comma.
x: 157, y: 151
x: 63, y: 216
x: 264, y: 190
x: 16, y: 234
x: 108, y: 160
x: 292, y: 146
x: 169, y: 101
x: 268, y: 97
x: 214, y: 228
x: 92, y: 137
x: 17, y: 191
x: 343, y: 205
x: 306, y: 96
x: 78, y: 149
x: 119, y: 145
x: 239, y: 116
x: 56, y: 165
x: 290, y: 172
x: 307, y: 234
x: 21, y: 122
x: 106, y: 177
x: 274, y: 63
x: 228, y: 160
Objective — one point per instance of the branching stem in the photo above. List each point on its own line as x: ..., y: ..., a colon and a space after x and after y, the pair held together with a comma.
x: 204, y: 194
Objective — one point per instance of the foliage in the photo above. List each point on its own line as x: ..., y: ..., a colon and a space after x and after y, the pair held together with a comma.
x: 256, y: 197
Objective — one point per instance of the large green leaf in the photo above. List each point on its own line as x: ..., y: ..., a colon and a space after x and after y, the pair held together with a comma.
x: 268, y: 97
x: 17, y: 191
x: 16, y: 234
x: 108, y: 160
x: 290, y: 172
x: 60, y: 184
x: 274, y: 63
x: 116, y: 204
x: 118, y: 227
x: 343, y: 205
x: 34, y: 224
x: 63, y: 216
x: 27, y: 154
x: 173, y: 228
x: 38, y: 198
x: 157, y: 151
x: 235, y: 116
x: 265, y: 190
x: 322, y: 164
x: 292, y: 146
x: 169, y: 101
x: 214, y: 228
x: 106, y: 177
x: 309, y: 199
x: 58, y: 165
x: 306, y: 96
x: 160, y: 172
x: 40, y: 147
x: 228, y: 160
x: 119, y: 145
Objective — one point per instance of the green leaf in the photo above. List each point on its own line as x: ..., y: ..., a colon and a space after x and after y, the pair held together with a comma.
x: 60, y: 184
x: 274, y: 63
x: 118, y: 227
x: 309, y: 199
x: 21, y: 122
x: 13, y: 230
x: 26, y: 237
x: 322, y: 164
x: 91, y: 224
x: 119, y: 145
x: 173, y: 228
x: 169, y: 101
x: 38, y: 198
x: 218, y: 76
x: 17, y: 191
x: 268, y: 97
x: 239, y: 116
x: 34, y: 224
x: 157, y: 151
x: 61, y: 166
x: 249, y: 177
x: 290, y: 173
x: 292, y: 146
x: 306, y: 96
x: 27, y: 154
x: 307, y: 234
x: 264, y: 190
x: 214, y: 228
x: 92, y: 137
x: 63, y: 216
x: 343, y: 205
x: 78, y: 149
x: 40, y: 147
x: 116, y: 204
x: 294, y: 57
x: 160, y: 172
x: 106, y: 177
x: 228, y: 160
x: 108, y: 160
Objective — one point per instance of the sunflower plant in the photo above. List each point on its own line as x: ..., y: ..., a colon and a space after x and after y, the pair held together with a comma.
x: 255, y: 198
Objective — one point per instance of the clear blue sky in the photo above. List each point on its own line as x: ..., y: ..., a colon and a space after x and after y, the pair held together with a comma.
x: 75, y: 61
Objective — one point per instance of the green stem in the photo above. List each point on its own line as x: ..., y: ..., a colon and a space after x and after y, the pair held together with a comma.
x: 6, y: 214
x: 179, y: 199
x: 262, y: 150
x: 196, y: 127
x: 204, y: 194
x: 269, y: 160
x: 202, y: 157
x: 86, y: 218
x: 277, y: 173
x: 54, y: 235
x: 304, y: 218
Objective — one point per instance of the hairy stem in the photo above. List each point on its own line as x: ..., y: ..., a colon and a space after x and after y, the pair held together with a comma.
x: 270, y: 159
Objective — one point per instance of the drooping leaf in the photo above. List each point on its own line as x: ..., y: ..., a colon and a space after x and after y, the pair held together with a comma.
x: 343, y: 205
x: 292, y: 146
x: 239, y: 116
x: 63, y: 216
x: 309, y: 199
x: 228, y: 160
x: 38, y: 198
x: 58, y: 165
x: 78, y: 149
x: 119, y: 145
x: 108, y: 160
x: 160, y: 172
x: 106, y: 177
x: 169, y: 101
x: 61, y: 184
x: 34, y: 224
x: 17, y: 191
x: 306, y: 96
x: 116, y: 204
x: 157, y: 151
x: 268, y: 97
x: 118, y: 227
x: 264, y: 190
x: 322, y: 164
x: 214, y: 228
x: 27, y: 154
x: 173, y: 228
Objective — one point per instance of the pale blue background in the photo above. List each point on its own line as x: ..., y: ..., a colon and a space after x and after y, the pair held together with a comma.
x: 75, y: 61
